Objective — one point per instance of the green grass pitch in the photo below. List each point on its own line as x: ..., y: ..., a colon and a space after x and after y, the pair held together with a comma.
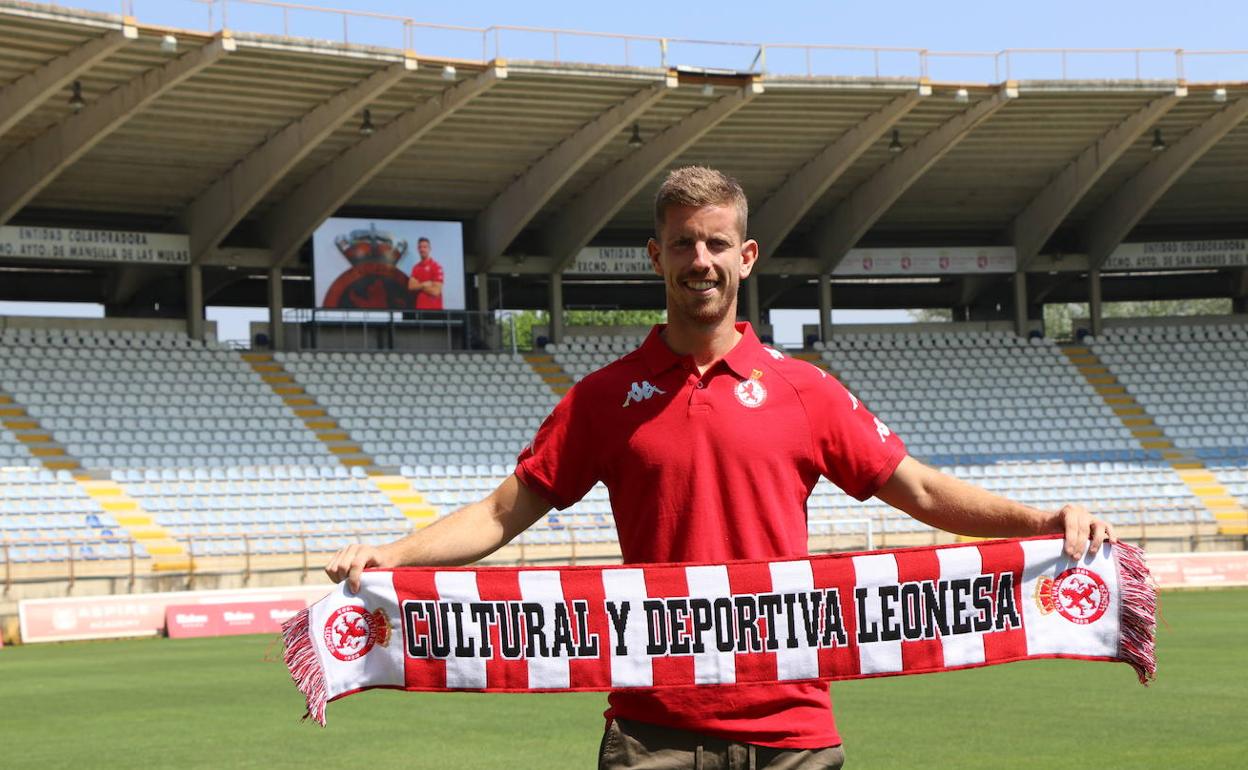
x: 220, y: 703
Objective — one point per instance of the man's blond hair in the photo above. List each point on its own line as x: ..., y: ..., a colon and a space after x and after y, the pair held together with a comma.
x: 699, y: 186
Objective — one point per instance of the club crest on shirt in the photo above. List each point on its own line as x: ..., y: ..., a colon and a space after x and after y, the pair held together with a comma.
x: 751, y: 393
x: 1079, y: 595
x: 351, y: 631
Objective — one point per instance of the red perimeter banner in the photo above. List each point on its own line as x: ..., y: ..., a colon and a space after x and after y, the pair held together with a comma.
x: 120, y: 615
x: 189, y: 620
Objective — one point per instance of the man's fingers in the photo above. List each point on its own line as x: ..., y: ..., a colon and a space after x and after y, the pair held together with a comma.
x: 1101, y: 532
x: 1076, y: 532
x: 362, y: 558
x: 1080, y: 526
x: 339, y: 567
x: 332, y: 569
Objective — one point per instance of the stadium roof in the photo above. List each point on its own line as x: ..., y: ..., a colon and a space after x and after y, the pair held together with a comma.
x: 247, y: 141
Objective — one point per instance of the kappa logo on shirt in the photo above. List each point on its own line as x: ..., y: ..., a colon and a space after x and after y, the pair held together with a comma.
x: 640, y: 391
x: 882, y: 429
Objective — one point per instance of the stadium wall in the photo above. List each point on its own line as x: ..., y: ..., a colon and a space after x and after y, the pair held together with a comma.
x: 165, y: 325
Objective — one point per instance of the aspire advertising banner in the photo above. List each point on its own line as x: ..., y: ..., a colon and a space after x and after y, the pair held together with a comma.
x: 389, y: 264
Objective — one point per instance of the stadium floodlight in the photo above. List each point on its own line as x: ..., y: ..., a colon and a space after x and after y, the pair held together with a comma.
x: 448, y: 72
x: 76, y: 102
x: 895, y: 144
x: 169, y: 44
x: 708, y: 90
x: 1219, y: 95
x: 1159, y: 144
x: 961, y: 96
x: 366, y: 126
x: 635, y: 141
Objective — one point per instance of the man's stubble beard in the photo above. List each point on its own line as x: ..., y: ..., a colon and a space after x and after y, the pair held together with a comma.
x: 708, y: 313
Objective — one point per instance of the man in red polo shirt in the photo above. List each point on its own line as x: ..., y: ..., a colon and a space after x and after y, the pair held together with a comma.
x: 710, y: 444
x: 426, y: 278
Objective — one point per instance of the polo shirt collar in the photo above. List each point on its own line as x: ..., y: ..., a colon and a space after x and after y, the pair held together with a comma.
x: 741, y: 359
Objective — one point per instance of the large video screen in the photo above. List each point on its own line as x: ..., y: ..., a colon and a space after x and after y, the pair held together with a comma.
x: 389, y: 264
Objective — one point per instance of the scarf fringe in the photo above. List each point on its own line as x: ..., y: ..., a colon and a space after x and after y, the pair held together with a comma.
x: 305, y: 667
x: 1138, y: 620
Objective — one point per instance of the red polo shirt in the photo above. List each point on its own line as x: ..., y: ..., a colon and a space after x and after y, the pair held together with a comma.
x: 710, y: 469
x: 427, y: 270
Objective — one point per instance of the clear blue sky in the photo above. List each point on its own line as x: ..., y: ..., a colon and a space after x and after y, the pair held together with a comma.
x: 947, y: 26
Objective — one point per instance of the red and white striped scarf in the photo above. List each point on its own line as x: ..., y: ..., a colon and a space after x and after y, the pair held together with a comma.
x: 841, y: 616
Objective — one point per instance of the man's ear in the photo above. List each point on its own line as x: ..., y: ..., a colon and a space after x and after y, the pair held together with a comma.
x: 749, y: 256
x: 654, y: 250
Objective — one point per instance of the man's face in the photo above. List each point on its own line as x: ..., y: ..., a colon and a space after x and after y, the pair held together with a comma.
x: 703, y: 259
x: 423, y: 248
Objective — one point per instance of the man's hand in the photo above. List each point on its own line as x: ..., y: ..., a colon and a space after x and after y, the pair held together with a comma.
x: 415, y: 285
x: 351, y: 561
x: 1079, y: 525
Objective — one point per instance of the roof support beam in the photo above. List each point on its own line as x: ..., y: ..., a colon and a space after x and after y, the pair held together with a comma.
x: 970, y: 287
x: 780, y: 213
x: 216, y: 211
x: 516, y: 206
x: 1127, y: 206
x: 846, y: 225
x: 587, y: 214
x: 1031, y: 229
x: 24, y: 95
x: 32, y: 167
x: 293, y: 221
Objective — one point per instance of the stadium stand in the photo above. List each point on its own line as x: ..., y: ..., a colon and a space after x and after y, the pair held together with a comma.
x: 149, y: 400
x: 972, y: 395
x: 1233, y: 475
x: 1192, y: 379
x: 14, y: 453
x: 428, y: 409
x: 451, y: 424
x: 989, y: 390
x: 42, y: 512
x: 215, y: 508
x: 583, y: 353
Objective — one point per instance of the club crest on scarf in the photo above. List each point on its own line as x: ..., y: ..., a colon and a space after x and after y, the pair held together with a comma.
x: 351, y: 631
x: 1079, y: 595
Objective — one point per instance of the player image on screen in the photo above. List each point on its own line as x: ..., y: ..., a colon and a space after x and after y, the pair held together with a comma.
x: 426, y: 280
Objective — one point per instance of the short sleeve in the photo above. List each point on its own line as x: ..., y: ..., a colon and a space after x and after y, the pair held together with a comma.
x: 437, y: 273
x: 561, y: 463
x: 854, y: 448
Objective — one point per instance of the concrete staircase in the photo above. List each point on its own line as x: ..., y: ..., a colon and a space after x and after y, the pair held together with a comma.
x: 304, y: 405
x: 400, y: 492
x: 1231, y: 517
x: 168, y: 555
x: 550, y: 371
x: 397, y: 489
x: 38, y: 441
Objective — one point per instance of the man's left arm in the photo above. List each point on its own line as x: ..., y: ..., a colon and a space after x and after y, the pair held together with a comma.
x: 948, y: 503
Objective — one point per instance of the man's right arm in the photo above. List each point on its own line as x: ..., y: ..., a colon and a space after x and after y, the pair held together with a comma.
x: 465, y: 536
